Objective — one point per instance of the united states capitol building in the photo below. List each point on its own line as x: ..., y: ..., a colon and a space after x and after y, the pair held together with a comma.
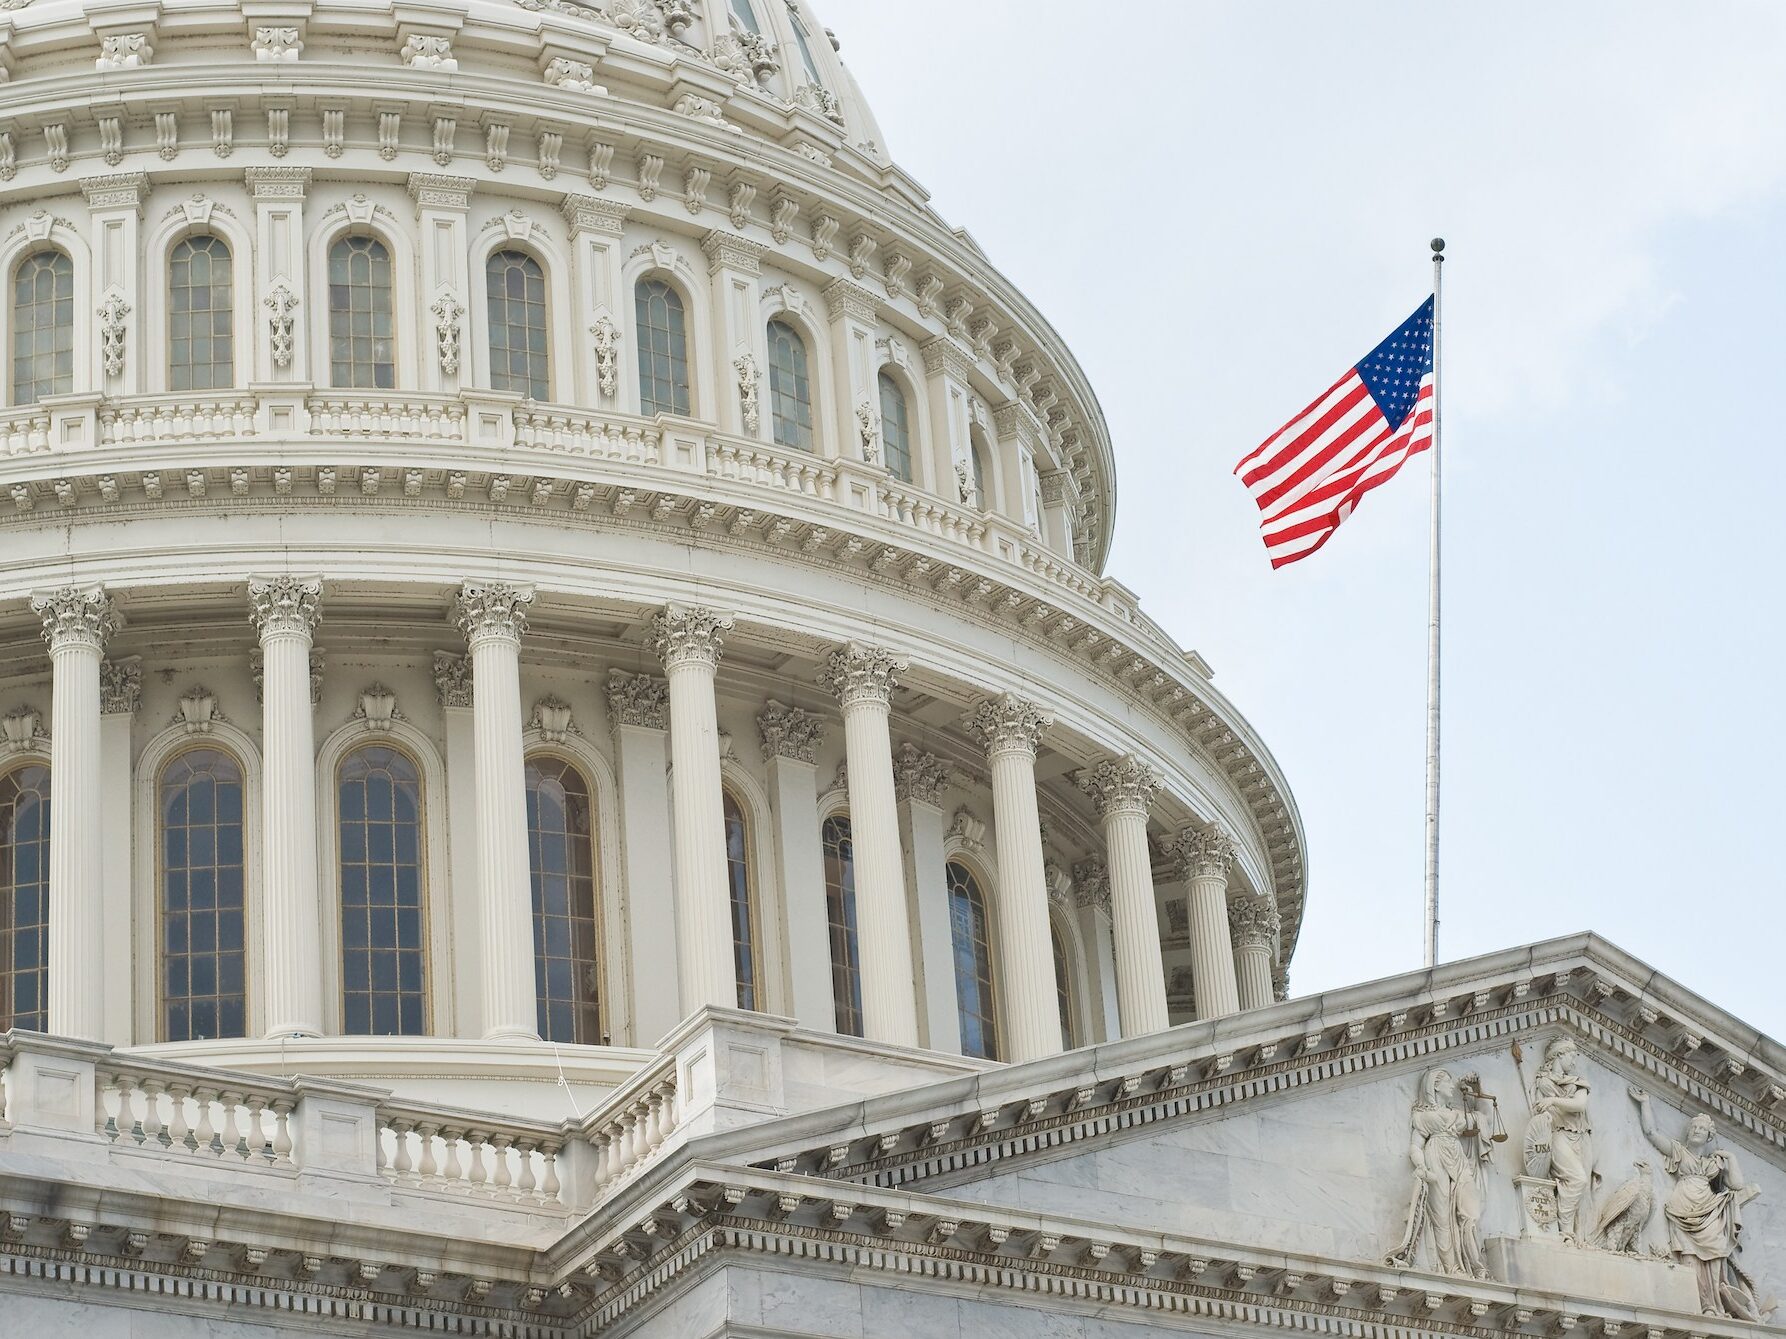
x: 570, y: 767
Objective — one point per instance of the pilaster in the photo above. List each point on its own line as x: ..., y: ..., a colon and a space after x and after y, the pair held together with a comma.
x: 281, y: 276
x: 919, y: 780
x: 790, y: 739
x: 442, y: 205
x: 601, y: 307
x: 115, y: 205
x: 857, y: 402
x: 120, y: 693
x: 733, y: 266
x: 638, y: 712
x: 453, y: 688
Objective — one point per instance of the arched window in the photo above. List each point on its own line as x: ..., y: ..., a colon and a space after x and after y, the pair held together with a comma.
x: 42, y: 327
x: 840, y: 907
x: 790, y: 389
x: 804, y: 44
x: 896, y: 430
x: 1063, y: 985
x: 201, y: 349
x: 516, y: 287
x: 362, y: 330
x: 203, y: 935
x: 972, y: 942
x: 383, y: 948
x: 746, y: 16
x: 25, y: 897
x: 738, y: 881
x: 977, y: 457
x: 663, y: 348
x: 566, y: 930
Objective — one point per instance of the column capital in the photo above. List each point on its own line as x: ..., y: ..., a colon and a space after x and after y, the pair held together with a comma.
x: 278, y: 183
x: 789, y: 732
x: 491, y: 611
x: 1008, y: 724
x: 1203, y: 852
x: 593, y: 214
x: 76, y: 616
x: 434, y: 190
x: 284, y: 606
x: 918, y: 775
x: 688, y: 634
x: 859, y: 673
x: 452, y: 679
x: 1091, y: 884
x: 728, y: 251
x: 1254, y: 922
x: 120, y: 686
x: 1123, y: 785
x: 637, y: 699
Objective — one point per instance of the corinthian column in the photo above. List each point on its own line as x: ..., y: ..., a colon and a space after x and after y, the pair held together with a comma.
x: 1011, y: 729
x: 493, y: 616
x: 76, y: 623
x: 1205, y: 857
x: 284, y: 610
x: 1254, y: 922
x: 687, y: 639
x: 1123, y: 791
x: 863, y: 678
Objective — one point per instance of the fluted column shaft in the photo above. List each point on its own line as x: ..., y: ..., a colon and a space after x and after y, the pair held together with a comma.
x: 688, y: 641
x: 493, y: 616
x: 1254, y: 922
x: 76, y: 623
x: 1011, y: 730
x: 1206, y: 856
x: 284, y: 610
x: 1123, y: 791
x: 863, y: 678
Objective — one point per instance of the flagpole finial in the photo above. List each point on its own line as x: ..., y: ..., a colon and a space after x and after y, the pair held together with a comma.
x: 1438, y: 245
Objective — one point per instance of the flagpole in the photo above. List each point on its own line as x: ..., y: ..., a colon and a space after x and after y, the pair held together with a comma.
x: 1432, y: 643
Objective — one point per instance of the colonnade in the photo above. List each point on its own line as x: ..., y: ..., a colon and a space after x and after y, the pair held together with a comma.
x: 1233, y: 946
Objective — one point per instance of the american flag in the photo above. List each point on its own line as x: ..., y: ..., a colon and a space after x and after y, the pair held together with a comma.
x: 1310, y: 474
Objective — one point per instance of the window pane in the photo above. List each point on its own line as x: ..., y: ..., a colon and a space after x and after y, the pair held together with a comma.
x: 738, y: 880
x: 24, y: 897
x: 1063, y: 986
x: 790, y: 391
x: 973, y: 964
x: 516, y: 288
x: 896, y: 431
x: 383, y: 941
x: 663, y: 348
x: 840, y: 905
x: 359, y: 310
x: 566, y: 928
x: 801, y: 41
x: 202, y: 352
x: 746, y: 16
x: 42, y: 325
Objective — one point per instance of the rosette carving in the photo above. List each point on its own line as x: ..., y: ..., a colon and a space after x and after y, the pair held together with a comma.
x: 689, y: 634
x: 497, y: 609
x: 1120, y: 785
x: 861, y: 673
x: 76, y: 616
x: 1009, y: 724
x: 285, y: 605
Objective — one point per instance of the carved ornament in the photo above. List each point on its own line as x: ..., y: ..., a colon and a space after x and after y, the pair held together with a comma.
x: 1203, y: 853
x: 638, y: 699
x: 789, y: 732
x: 120, y: 686
x: 1120, y: 786
x: 1091, y: 884
x: 284, y: 606
x: 552, y: 718
x: 487, y: 611
x: 452, y: 679
x: 76, y: 616
x: 687, y: 634
x: 859, y: 673
x: 918, y: 775
x: 1008, y: 724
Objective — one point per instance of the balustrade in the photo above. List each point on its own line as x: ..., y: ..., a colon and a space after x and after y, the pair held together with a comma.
x: 587, y: 435
x: 768, y: 467
x: 182, y: 419
x: 630, y: 1130
x: 432, y: 419
x: 173, y: 1112
x: 24, y: 432
x: 460, y: 1154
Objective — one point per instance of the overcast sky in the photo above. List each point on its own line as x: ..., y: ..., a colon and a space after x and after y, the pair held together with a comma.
x: 1221, y: 206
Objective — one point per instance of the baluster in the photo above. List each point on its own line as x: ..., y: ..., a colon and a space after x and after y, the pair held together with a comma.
x: 427, y: 1169
x: 178, y: 1131
x: 401, y: 1163
x: 525, y: 1183
x: 505, y: 1178
x: 627, y: 1153
x: 603, y: 1147
x: 254, y: 1140
x: 474, y: 1141
x: 550, y: 1186
x: 638, y: 1129
x: 282, y: 1108
x: 654, y: 1120
x: 229, y: 1130
x: 616, y: 1136
x: 454, y: 1170
x: 153, y: 1130
x: 104, y: 1086
x: 205, y: 1139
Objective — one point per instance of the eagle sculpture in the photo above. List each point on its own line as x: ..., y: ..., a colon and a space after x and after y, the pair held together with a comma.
x: 1626, y: 1213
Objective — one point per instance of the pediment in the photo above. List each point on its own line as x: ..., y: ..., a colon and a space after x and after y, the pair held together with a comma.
x: 1296, y: 1129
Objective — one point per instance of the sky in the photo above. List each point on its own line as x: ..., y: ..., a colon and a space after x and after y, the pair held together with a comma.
x: 1221, y: 205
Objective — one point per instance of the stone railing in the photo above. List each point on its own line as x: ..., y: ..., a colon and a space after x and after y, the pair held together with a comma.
x: 203, y: 1113
x: 772, y: 467
x: 630, y: 1129
x: 429, y: 418
x: 176, y: 418
x: 465, y: 1153
x: 24, y: 432
x: 581, y: 434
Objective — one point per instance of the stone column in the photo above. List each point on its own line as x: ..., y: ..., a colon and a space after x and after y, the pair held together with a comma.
x: 1011, y: 729
x: 1205, y: 856
x: 638, y: 713
x: 76, y: 623
x: 919, y: 780
x: 687, y: 639
x: 493, y: 616
x: 791, y: 740
x: 1091, y: 903
x: 863, y: 678
x: 1253, y: 922
x: 1123, y: 790
x: 120, y: 693
x: 284, y: 610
